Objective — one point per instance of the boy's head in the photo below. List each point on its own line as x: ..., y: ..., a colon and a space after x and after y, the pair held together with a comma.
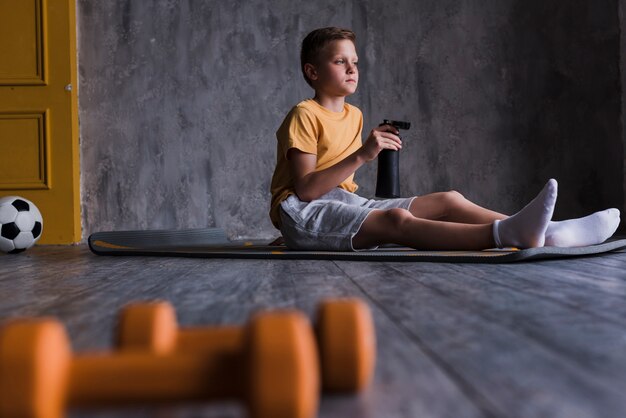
x: 314, y: 47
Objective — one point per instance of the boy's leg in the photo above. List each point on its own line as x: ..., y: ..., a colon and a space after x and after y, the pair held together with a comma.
x: 452, y: 207
x: 399, y: 226
x: 525, y: 229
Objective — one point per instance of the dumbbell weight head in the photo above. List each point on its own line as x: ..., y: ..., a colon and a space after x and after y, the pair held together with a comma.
x: 346, y: 343
x: 34, y: 363
x: 282, y: 365
x: 148, y: 327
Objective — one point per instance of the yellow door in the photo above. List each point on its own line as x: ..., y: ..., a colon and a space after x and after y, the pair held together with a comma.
x: 38, y: 112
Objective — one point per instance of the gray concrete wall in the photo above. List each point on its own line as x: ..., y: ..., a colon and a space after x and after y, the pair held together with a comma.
x: 180, y: 101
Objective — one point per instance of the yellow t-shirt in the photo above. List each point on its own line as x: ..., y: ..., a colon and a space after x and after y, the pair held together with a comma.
x: 313, y: 129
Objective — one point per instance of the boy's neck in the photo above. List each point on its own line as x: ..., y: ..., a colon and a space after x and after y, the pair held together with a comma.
x: 334, y: 104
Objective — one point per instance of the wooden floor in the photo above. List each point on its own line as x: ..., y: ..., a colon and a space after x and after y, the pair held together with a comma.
x: 540, y: 339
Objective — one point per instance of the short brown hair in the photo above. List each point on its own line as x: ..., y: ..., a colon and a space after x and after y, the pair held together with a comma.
x: 316, y: 41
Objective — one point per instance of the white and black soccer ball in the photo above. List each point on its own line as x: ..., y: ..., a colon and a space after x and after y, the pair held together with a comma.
x: 21, y: 224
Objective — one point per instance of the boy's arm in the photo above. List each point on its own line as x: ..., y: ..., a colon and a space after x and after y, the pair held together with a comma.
x: 311, y: 184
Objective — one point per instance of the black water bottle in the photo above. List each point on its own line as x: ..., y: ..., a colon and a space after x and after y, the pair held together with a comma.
x: 388, y: 175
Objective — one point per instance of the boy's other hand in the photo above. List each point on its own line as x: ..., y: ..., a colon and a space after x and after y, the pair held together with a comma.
x: 380, y: 138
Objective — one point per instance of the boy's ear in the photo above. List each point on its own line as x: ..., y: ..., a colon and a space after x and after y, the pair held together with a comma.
x: 310, y: 71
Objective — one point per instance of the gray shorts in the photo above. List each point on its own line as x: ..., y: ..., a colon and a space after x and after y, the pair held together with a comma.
x: 330, y: 222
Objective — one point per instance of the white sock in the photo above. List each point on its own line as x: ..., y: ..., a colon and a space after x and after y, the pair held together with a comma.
x: 527, y: 228
x: 590, y: 230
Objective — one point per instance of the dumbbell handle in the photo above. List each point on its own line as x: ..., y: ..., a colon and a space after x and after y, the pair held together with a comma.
x: 214, y: 353
x: 136, y: 377
x: 206, y: 339
x: 210, y: 339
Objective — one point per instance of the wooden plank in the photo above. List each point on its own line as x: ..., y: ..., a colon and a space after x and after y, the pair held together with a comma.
x: 577, y: 336
x: 11, y: 264
x: 85, y: 293
x: 26, y: 277
x: 612, y: 265
x: 566, y: 283
x: 498, y: 344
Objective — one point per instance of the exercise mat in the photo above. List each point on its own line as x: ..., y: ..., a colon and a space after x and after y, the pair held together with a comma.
x: 213, y: 243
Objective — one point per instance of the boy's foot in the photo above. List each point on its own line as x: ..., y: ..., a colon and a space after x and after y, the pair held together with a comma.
x: 590, y: 230
x: 527, y: 228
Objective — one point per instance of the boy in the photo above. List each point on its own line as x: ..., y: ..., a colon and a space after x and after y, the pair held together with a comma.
x: 320, y: 148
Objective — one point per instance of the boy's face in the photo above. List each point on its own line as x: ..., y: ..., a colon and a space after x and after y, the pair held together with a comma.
x: 336, y: 73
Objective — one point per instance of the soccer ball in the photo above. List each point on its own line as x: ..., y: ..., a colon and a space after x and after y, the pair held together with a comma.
x: 21, y: 224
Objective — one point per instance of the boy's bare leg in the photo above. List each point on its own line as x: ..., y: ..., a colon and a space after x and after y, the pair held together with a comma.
x: 452, y: 207
x: 525, y: 229
x: 399, y: 226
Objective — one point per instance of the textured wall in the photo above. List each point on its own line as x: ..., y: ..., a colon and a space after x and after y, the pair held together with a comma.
x: 180, y: 100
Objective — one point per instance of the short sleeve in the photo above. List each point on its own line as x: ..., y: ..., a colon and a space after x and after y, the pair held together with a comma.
x: 299, y: 130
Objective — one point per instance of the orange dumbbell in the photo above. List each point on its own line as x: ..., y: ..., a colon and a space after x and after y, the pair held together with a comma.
x: 344, y: 328
x: 275, y: 373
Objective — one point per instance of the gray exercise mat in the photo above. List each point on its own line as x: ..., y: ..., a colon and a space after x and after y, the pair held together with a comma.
x: 213, y: 243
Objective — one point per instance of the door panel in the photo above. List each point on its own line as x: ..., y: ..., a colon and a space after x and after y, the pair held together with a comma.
x: 38, y: 112
x: 24, y: 157
x: 21, y: 42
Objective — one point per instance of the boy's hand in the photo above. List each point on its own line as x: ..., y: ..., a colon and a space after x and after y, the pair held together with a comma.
x: 380, y: 138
